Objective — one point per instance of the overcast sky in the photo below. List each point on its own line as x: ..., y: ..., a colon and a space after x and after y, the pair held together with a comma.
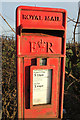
x: 9, y: 13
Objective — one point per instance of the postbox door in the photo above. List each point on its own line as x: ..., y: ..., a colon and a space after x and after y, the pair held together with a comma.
x: 36, y: 100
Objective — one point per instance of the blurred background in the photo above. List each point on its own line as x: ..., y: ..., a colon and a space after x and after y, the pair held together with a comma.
x: 8, y: 39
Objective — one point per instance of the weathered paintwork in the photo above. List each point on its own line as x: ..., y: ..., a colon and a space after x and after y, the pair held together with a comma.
x: 40, y: 33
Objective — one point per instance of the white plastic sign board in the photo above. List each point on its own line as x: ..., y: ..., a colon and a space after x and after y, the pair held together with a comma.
x: 42, y: 86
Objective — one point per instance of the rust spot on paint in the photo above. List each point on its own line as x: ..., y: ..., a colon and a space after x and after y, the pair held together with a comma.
x: 48, y: 113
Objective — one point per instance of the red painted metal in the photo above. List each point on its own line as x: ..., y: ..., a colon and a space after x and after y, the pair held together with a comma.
x: 41, y: 33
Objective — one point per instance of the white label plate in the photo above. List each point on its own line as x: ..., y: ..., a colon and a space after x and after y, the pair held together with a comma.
x: 42, y: 86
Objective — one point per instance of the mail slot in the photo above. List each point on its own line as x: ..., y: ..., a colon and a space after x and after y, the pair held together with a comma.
x: 41, y: 49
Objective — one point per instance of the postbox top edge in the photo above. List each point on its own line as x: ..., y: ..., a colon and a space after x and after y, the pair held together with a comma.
x: 40, y: 9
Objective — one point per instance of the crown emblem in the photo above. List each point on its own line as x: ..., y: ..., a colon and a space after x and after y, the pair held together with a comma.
x: 41, y: 44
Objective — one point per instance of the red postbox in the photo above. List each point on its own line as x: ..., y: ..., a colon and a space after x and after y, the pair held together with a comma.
x: 41, y: 49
